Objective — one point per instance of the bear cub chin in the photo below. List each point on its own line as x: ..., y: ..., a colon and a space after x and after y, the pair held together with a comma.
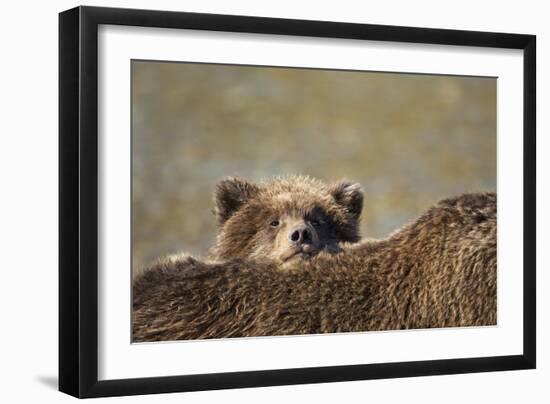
x: 286, y: 219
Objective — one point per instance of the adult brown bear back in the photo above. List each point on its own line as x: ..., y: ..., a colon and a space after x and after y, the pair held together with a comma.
x: 438, y: 271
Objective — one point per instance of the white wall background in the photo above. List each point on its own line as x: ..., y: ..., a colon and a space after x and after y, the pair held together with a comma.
x: 28, y: 201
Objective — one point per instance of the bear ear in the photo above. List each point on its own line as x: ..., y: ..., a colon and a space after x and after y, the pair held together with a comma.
x: 348, y: 194
x: 231, y: 193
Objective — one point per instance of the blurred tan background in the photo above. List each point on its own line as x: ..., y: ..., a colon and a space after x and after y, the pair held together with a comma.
x: 410, y: 140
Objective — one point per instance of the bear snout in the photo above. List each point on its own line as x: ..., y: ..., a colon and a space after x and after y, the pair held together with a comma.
x: 299, y: 235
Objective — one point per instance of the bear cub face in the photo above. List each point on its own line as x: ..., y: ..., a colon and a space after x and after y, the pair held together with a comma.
x: 285, y: 219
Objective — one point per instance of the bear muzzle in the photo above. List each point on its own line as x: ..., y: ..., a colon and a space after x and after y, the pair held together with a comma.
x: 303, y: 241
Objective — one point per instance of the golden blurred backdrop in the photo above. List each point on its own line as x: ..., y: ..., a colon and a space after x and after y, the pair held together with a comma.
x: 409, y: 139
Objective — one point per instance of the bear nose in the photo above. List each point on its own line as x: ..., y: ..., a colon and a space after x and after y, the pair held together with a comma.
x: 299, y: 235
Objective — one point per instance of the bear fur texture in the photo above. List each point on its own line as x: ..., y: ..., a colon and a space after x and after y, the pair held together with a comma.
x: 286, y: 219
x: 438, y: 271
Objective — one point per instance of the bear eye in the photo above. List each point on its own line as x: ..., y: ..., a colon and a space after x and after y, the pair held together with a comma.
x: 274, y: 223
x: 315, y: 222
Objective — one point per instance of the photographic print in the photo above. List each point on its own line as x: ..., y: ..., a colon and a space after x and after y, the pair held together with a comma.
x: 248, y: 201
x: 270, y: 201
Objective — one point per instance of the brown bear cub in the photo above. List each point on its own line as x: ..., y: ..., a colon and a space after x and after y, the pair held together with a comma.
x: 285, y: 219
x: 292, y: 271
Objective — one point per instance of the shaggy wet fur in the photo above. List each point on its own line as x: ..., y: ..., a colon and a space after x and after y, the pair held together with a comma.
x: 439, y: 271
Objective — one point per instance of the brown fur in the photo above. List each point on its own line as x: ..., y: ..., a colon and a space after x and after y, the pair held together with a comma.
x: 256, y: 220
x: 438, y: 271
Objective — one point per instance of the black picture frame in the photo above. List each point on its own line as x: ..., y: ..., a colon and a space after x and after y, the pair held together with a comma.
x: 78, y: 200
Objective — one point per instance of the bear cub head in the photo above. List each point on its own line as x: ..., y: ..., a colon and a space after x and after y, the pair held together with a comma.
x: 285, y: 219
